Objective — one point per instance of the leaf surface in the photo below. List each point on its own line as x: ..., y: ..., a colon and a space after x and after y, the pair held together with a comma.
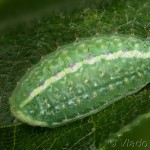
x: 23, y: 45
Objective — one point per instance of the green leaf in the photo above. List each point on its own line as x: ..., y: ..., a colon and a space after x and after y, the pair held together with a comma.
x: 22, y: 46
x: 133, y: 136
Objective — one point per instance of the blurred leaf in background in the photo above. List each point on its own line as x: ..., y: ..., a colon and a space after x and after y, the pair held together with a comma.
x: 31, y: 29
x: 25, y: 10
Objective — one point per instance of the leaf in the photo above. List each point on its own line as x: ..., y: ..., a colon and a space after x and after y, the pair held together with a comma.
x: 133, y: 136
x: 23, y: 45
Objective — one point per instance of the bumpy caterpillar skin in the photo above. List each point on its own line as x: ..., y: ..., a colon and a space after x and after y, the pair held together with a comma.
x: 80, y: 79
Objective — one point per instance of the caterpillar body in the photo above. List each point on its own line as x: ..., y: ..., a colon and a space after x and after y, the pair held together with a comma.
x: 81, y: 79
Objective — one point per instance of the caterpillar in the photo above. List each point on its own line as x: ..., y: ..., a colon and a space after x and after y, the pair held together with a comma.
x: 80, y: 79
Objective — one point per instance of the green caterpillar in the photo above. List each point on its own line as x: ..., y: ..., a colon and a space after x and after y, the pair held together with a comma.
x: 81, y: 79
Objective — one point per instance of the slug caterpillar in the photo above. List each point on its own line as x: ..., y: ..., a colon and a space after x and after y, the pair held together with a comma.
x: 81, y: 79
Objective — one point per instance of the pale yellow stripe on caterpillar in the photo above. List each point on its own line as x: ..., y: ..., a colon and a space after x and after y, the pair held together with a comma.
x: 27, y: 119
x: 78, y: 65
x: 49, y: 81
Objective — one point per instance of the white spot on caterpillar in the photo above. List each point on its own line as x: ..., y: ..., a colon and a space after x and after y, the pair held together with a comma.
x: 48, y: 105
x: 57, y: 108
x: 99, y: 41
x: 136, y: 45
x: 31, y: 111
x: 86, y: 81
x: 71, y: 102
x: 119, y: 44
x: 140, y: 74
x: 63, y: 106
x: 116, y: 39
x: 126, y: 80
x: 42, y: 112
x: 111, y: 87
x: 94, y: 94
x: 82, y: 45
x: 101, y: 90
x: 95, y: 84
x: 78, y: 100
x: 118, y: 83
